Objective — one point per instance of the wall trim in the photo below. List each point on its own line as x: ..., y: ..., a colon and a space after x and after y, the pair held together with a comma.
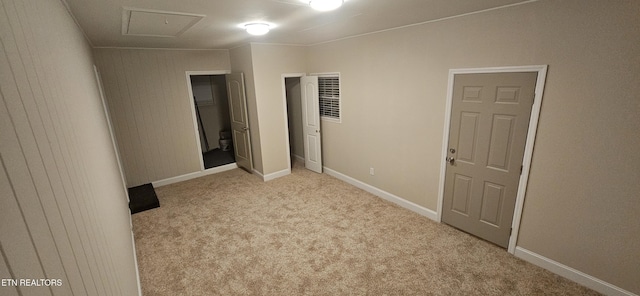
x: 192, y: 104
x: 194, y: 175
x: 159, y: 48
x: 135, y: 259
x: 528, y: 150
x: 272, y: 176
x: 571, y: 273
x: 383, y: 194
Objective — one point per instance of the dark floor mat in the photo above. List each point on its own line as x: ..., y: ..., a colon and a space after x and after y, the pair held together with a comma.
x: 142, y: 198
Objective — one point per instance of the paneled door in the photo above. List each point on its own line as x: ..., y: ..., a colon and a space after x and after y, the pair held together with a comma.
x: 239, y: 121
x: 488, y: 131
x: 311, y: 123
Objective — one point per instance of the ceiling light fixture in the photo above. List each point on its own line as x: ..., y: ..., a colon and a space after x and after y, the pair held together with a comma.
x: 325, y: 5
x: 257, y: 28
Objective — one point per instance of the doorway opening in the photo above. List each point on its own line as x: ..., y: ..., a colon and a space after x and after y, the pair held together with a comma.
x: 294, y: 119
x: 304, y: 139
x: 211, y: 106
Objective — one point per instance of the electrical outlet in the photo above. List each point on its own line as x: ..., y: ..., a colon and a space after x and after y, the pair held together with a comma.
x: 372, y: 171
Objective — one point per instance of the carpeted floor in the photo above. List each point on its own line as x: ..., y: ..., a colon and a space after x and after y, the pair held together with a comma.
x: 311, y: 234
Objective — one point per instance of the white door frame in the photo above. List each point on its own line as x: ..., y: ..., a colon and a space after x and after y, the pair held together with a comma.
x: 194, y: 117
x: 528, y: 150
x: 286, y: 112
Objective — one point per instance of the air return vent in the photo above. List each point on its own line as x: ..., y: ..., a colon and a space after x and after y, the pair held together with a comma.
x: 141, y: 22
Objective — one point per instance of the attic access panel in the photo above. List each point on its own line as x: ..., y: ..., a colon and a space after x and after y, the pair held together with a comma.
x: 139, y: 22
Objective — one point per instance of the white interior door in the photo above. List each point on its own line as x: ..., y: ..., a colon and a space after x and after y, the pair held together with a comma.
x: 239, y: 121
x: 489, y: 122
x: 311, y: 123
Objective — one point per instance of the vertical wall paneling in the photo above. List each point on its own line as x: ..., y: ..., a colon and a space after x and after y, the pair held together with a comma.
x: 66, y: 250
x: 147, y: 93
x: 160, y: 113
x: 126, y: 70
x: 15, y: 239
x: 30, y: 195
x: 122, y: 110
x: 63, y: 213
x: 169, y: 121
x: 178, y: 106
x: 5, y: 273
x: 62, y: 180
x: 49, y: 203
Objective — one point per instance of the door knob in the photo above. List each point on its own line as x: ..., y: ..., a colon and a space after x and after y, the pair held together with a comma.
x: 245, y: 128
x: 450, y: 160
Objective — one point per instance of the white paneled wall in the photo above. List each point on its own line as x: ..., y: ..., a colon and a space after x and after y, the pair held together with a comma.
x: 63, y: 211
x: 150, y: 107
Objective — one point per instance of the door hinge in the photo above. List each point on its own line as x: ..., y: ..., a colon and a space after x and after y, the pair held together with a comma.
x: 510, y: 231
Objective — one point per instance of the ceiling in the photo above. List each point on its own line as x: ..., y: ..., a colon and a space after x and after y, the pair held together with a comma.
x: 295, y: 23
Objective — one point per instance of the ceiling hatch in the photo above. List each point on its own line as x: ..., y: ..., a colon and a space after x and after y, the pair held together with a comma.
x: 142, y: 22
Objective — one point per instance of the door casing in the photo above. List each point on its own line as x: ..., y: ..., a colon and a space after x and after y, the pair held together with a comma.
x: 193, y: 110
x: 528, y: 151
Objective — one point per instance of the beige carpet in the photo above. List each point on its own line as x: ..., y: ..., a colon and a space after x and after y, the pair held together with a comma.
x: 311, y: 234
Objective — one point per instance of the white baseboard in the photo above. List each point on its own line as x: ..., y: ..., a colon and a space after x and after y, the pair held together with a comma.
x: 384, y: 195
x: 269, y: 177
x: 135, y: 261
x: 570, y: 273
x: 194, y: 175
x: 297, y: 158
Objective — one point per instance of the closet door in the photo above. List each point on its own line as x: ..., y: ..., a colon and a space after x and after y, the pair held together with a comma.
x: 239, y: 121
x: 311, y: 123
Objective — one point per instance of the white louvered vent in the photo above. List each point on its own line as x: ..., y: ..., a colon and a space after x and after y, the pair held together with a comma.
x: 329, y: 95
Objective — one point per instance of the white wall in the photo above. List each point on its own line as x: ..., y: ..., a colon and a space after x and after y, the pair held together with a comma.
x: 582, y: 201
x: 263, y: 66
x: 269, y: 63
x: 151, y: 108
x: 63, y: 208
x: 149, y: 102
x: 242, y: 61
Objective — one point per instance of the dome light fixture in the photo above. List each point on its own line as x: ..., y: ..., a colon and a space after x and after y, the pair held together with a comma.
x: 325, y: 5
x: 257, y: 29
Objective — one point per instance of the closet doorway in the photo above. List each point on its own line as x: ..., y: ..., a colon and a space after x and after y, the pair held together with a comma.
x: 211, y: 107
x: 301, y: 97
x: 294, y: 118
